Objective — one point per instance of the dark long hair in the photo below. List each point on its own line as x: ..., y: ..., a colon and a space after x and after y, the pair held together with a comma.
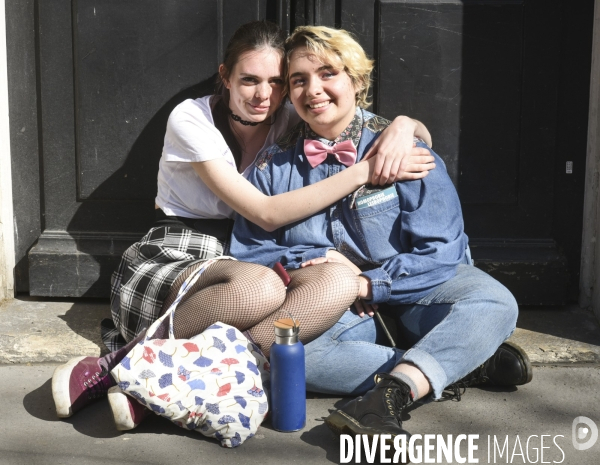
x: 256, y: 35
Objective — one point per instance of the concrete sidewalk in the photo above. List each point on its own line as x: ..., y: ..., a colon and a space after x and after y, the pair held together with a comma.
x: 30, y: 433
x: 37, y: 334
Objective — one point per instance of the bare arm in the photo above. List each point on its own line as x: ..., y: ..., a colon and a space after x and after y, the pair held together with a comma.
x: 422, y: 132
x: 273, y: 212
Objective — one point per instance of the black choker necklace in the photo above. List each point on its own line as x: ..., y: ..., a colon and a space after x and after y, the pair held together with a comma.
x: 235, y: 117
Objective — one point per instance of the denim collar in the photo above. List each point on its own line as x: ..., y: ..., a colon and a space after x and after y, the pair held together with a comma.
x: 353, y: 131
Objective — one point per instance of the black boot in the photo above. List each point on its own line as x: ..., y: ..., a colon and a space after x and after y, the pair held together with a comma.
x: 377, y: 412
x: 509, y: 366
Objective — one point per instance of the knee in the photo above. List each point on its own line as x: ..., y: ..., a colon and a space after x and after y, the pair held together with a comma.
x: 512, y: 311
x: 338, y: 269
x: 479, y: 286
x: 328, y: 276
x: 487, y: 303
x: 267, y: 276
x: 261, y: 284
x: 268, y: 281
x: 506, y: 309
x: 339, y: 273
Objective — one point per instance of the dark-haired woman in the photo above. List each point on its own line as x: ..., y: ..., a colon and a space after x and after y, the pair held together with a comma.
x: 210, y: 147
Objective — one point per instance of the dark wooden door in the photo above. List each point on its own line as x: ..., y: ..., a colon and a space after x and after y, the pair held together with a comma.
x: 502, y: 85
x: 110, y: 72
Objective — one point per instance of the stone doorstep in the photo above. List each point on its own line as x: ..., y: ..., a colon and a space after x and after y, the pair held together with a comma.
x: 558, y: 336
x: 545, y: 349
x: 42, y: 330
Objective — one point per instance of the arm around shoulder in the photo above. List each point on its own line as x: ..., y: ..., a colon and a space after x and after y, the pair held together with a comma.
x: 273, y: 211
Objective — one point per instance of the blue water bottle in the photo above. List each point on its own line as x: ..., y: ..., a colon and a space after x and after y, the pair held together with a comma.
x: 288, y: 380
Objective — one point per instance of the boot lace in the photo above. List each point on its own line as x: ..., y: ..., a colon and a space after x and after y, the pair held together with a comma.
x: 397, y: 398
x: 98, y: 384
x: 457, y: 389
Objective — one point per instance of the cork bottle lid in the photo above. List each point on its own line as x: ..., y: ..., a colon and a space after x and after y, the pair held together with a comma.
x: 286, y: 323
x: 285, y: 327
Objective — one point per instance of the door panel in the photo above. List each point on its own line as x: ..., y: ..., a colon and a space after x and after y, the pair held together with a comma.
x: 433, y: 62
x: 111, y: 71
x: 122, y: 78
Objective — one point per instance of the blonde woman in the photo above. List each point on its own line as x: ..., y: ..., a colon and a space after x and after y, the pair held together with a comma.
x: 405, y: 242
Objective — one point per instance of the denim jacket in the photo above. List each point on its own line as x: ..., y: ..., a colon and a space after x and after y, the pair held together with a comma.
x: 407, y: 238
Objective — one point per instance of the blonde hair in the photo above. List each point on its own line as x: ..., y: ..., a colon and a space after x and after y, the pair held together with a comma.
x: 336, y: 47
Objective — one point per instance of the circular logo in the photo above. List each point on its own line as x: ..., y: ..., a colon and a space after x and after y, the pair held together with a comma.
x: 580, y: 432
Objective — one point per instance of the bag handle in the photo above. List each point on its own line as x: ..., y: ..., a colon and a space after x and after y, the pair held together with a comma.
x: 185, y: 287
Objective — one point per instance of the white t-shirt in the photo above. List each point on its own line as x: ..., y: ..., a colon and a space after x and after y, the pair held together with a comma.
x: 192, y: 137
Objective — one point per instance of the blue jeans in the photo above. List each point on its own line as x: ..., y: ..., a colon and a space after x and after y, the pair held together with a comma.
x: 451, y: 331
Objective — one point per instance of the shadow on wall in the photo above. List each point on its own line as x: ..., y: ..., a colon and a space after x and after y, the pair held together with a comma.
x: 131, y: 214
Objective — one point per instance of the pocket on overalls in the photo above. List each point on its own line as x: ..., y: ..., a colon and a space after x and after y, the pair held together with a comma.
x: 377, y: 214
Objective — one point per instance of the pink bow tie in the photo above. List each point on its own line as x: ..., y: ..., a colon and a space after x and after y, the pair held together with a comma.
x: 316, y: 152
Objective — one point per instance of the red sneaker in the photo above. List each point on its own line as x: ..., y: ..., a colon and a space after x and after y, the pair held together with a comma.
x: 127, y: 412
x: 77, y: 383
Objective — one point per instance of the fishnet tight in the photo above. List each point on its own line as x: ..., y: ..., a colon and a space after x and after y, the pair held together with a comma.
x: 251, y: 297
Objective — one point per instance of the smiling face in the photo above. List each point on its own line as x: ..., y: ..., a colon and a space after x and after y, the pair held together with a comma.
x: 322, y: 94
x: 255, y: 84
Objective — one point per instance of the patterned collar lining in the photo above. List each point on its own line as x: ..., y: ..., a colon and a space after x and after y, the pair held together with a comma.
x: 353, y: 131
